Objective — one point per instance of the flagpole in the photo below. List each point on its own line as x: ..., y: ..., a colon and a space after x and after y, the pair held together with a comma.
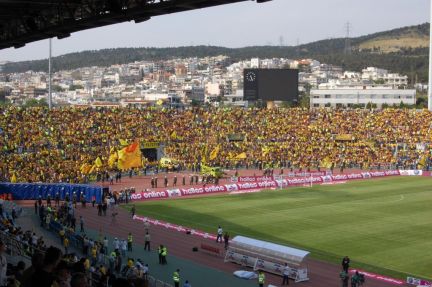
x: 430, y: 60
x: 49, y: 76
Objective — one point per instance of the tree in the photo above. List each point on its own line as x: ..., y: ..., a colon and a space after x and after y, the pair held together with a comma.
x: 57, y: 88
x: 43, y: 103
x: 75, y: 87
x: 304, y: 101
x: 371, y: 105
x: 35, y: 103
x: 421, y: 103
x: 195, y: 103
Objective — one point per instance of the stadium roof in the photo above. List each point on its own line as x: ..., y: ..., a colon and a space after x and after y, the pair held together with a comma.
x: 24, y: 21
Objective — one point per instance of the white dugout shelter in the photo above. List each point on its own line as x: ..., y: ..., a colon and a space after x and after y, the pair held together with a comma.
x: 269, y: 257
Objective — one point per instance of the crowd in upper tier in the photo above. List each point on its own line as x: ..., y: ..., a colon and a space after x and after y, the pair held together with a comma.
x: 41, y: 145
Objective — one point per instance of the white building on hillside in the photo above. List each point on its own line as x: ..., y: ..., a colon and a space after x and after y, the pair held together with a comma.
x: 361, y: 96
x: 376, y: 74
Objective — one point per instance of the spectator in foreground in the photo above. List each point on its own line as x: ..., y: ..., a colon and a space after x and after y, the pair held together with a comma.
x: 79, y: 280
x: 3, y: 265
x: 44, y: 276
x: 36, y: 264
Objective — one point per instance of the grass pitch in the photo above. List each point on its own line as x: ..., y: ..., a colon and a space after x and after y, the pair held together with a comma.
x: 384, y: 225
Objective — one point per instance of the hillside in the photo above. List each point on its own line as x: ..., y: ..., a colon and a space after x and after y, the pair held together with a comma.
x: 403, y: 50
x: 397, y: 40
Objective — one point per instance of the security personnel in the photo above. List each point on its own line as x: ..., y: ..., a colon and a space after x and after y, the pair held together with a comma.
x: 57, y: 199
x: 164, y: 255
x: 261, y: 279
x: 83, y: 199
x: 176, y: 278
x: 74, y: 199
x: 49, y: 200
x: 129, y: 243
x: 160, y: 253
x: 112, y: 260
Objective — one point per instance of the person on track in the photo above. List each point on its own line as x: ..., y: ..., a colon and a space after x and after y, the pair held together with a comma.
x: 176, y: 278
x: 285, y: 274
x: 219, y: 234
x: 261, y: 279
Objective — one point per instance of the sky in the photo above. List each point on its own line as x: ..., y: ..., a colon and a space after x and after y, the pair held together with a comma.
x: 239, y: 25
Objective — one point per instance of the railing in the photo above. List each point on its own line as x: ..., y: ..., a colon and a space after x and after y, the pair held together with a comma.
x: 153, y: 282
x: 16, y: 249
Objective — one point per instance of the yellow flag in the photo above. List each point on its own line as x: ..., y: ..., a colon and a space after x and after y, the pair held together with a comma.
x: 112, y: 159
x: 265, y: 150
x: 422, y: 162
x: 123, y: 142
x: 13, y: 178
x: 129, y: 157
x: 241, y: 156
x: 214, y: 152
x: 230, y: 155
x: 98, y: 162
x: 174, y: 135
x: 93, y: 167
x: 159, y: 102
x: 85, y: 168
x: 204, y: 155
x: 326, y: 163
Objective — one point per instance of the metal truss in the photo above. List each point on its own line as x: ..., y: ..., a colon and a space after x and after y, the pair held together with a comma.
x: 22, y: 21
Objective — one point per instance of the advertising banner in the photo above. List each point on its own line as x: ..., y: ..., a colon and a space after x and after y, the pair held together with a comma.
x: 414, y: 172
x: 418, y: 282
x: 250, y: 184
x: 379, y: 277
x: 239, y: 258
x: 242, y: 179
x: 175, y: 227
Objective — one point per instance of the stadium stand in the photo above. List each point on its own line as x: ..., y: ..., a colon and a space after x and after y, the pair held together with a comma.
x: 53, y: 146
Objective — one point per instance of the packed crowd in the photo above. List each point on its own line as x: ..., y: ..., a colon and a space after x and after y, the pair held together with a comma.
x: 94, y: 263
x: 51, y: 146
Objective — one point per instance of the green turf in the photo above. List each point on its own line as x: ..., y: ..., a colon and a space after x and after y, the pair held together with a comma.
x: 384, y: 225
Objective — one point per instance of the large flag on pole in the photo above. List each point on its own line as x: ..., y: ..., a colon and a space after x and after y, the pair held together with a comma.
x: 129, y: 157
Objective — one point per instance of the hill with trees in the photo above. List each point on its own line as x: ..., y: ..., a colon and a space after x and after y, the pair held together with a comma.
x: 403, y: 50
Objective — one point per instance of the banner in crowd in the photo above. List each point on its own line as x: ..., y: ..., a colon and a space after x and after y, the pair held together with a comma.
x: 277, y: 177
x: 344, y: 137
x: 312, y: 173
x: 251, y: 178
x: 26, y: 191
x: 239, y: 187
x: 418, y: 282
x: 150, y: 145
